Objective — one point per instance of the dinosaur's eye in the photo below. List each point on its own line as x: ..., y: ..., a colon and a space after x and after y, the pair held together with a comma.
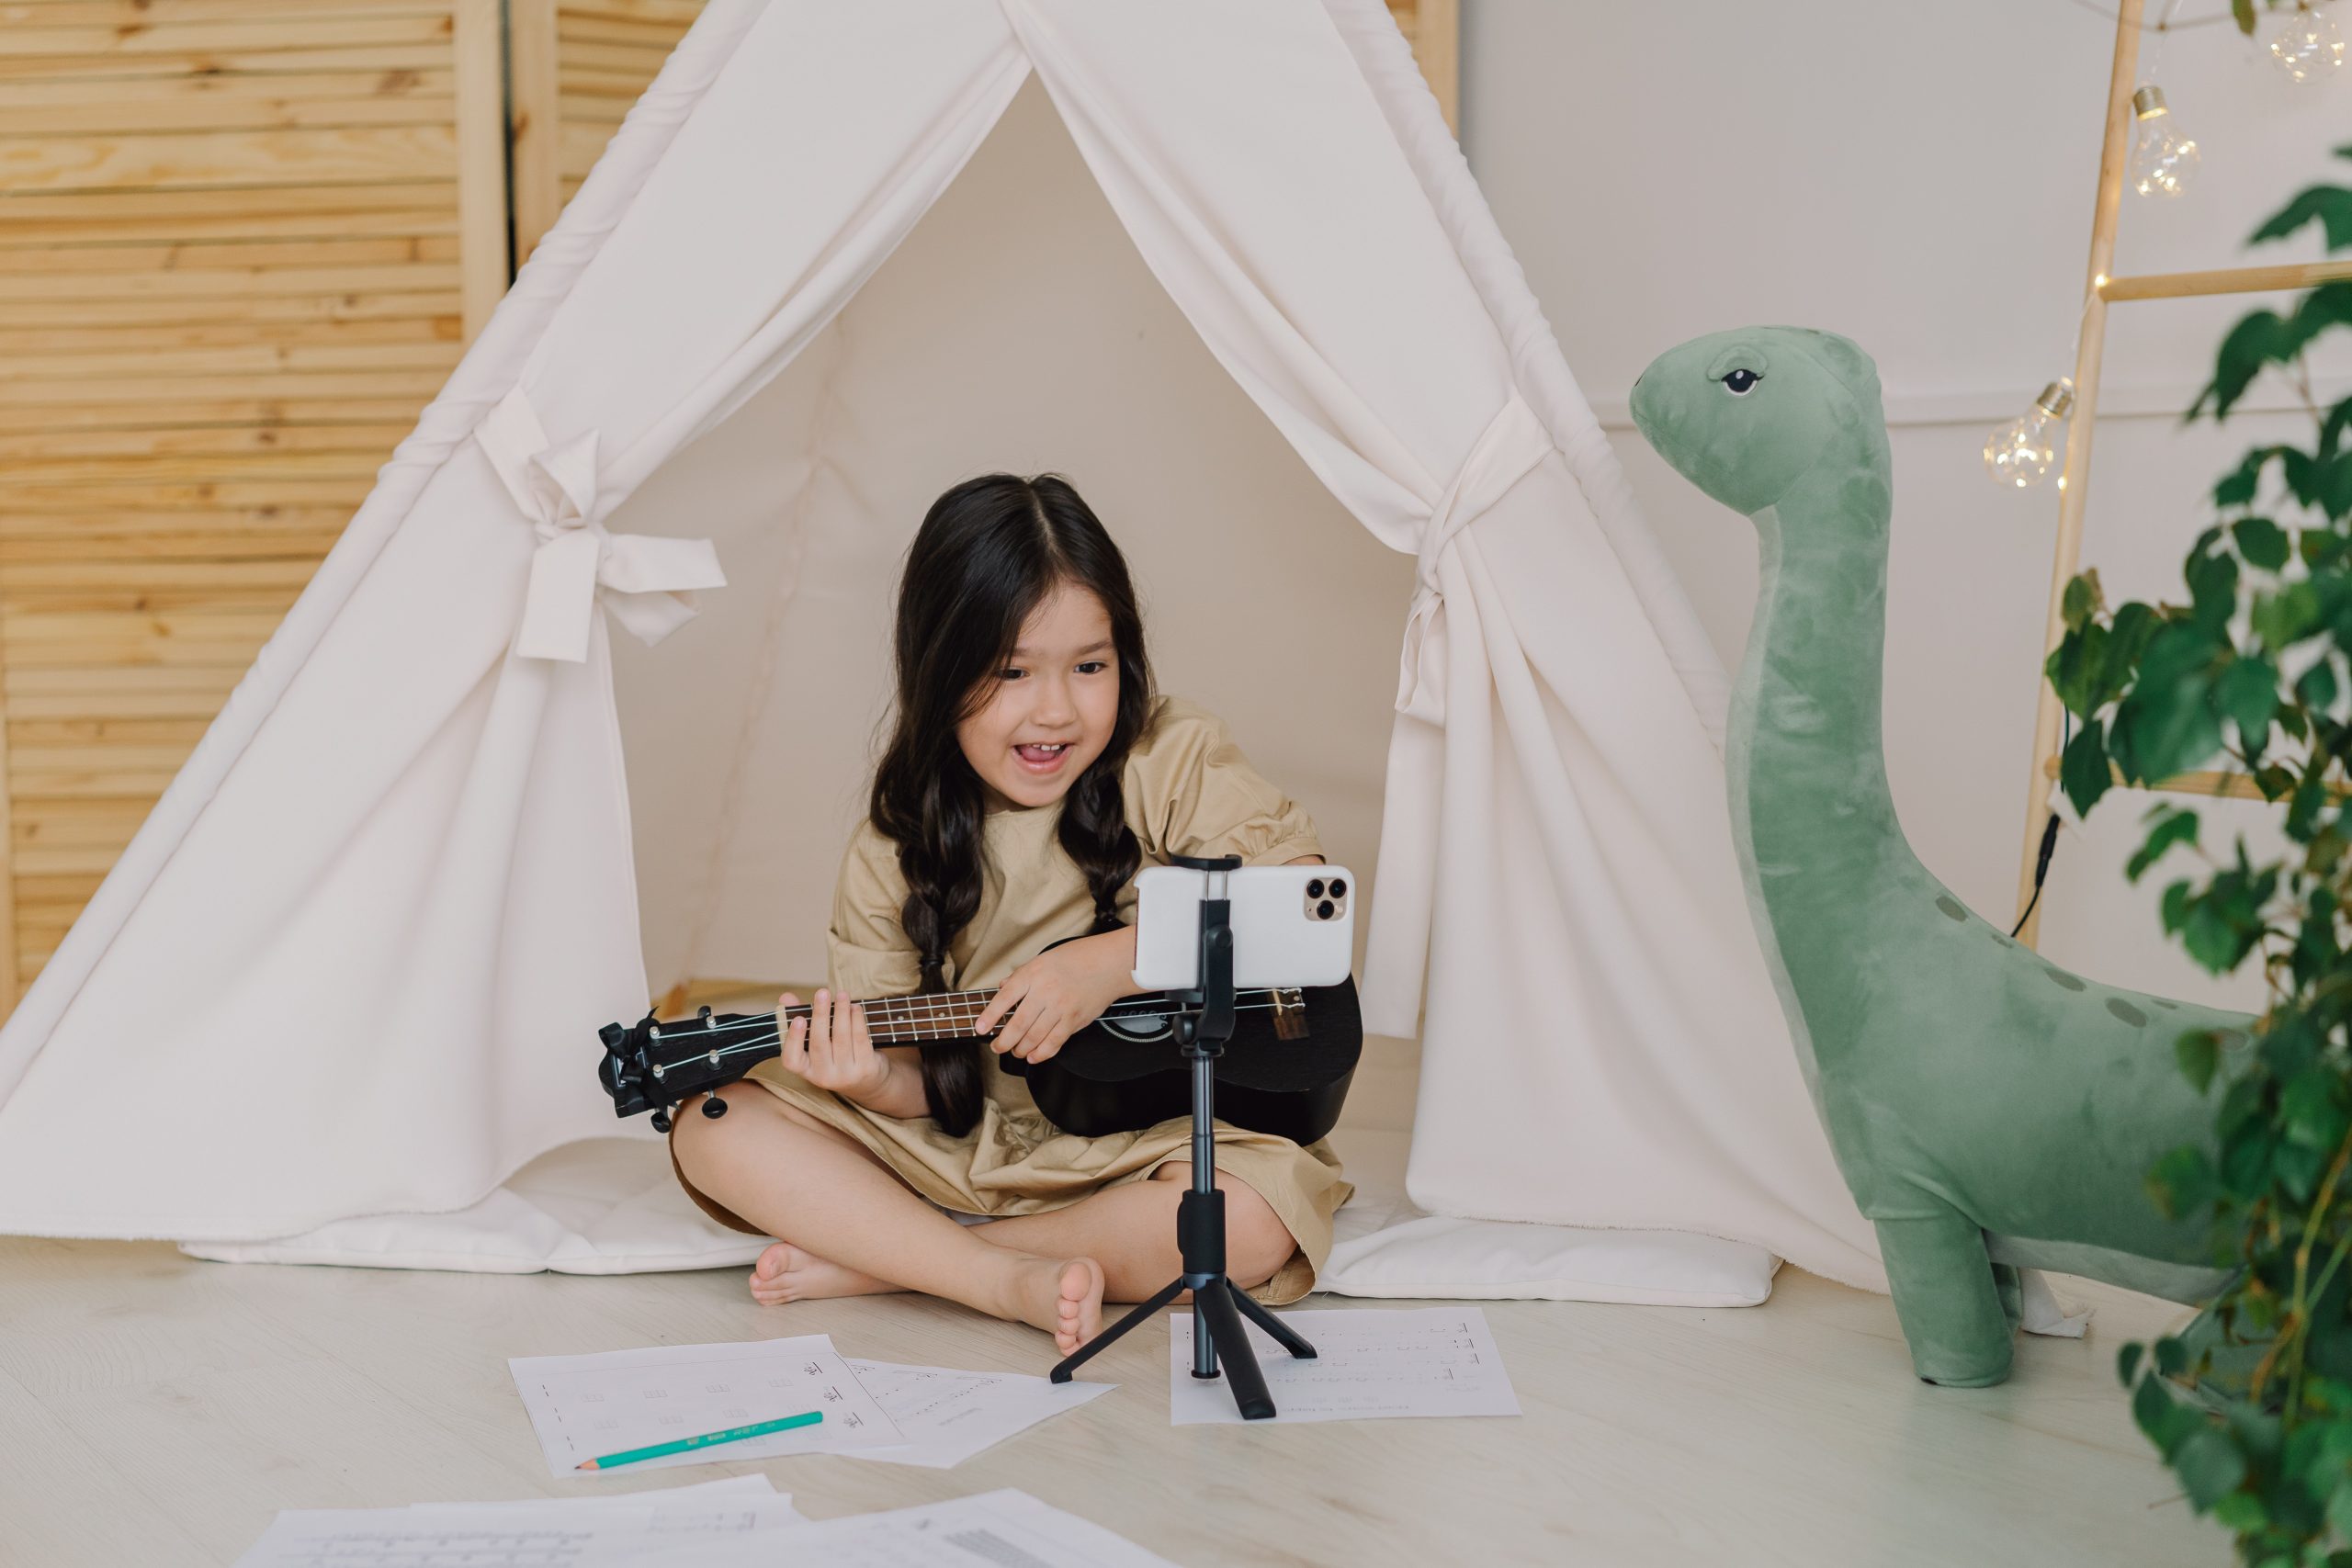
x: 1739, y: 383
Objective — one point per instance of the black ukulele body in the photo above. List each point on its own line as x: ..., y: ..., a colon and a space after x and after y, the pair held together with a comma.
x: 1125, y: 1071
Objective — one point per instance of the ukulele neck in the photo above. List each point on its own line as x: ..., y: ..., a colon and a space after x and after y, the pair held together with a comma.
x: 955, y: 1015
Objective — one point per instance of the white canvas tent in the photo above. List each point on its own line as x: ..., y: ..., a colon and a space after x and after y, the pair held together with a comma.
x: 1220, y: 262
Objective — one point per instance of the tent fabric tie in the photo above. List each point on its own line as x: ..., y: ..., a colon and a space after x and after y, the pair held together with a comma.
x: 1514, y: 442
x: 646, y: 582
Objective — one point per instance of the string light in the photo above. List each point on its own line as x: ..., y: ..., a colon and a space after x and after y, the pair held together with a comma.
x: 2308, y: 45
x: 2021, y: 452
x: 2162, y: 159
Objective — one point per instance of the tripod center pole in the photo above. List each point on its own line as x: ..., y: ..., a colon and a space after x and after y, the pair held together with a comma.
x: 1216, y: 984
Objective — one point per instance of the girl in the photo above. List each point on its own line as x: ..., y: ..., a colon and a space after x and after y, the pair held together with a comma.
x: 1031, y: 771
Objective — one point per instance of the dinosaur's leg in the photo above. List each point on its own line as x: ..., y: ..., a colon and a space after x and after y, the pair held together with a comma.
x: 2012, y: 1289
x: 1953, y: 1312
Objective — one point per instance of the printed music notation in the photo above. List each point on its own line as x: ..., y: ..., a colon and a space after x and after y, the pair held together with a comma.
x: 1368, y: 1364
x: 585, y: 1407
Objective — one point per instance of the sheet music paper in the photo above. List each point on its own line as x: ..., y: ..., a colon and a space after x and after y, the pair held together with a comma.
x: 1416, y: 1361
x: 995, y: 1530
x: 586, y: 1406
x: 950, y: 1415
x: 537, y: 1532
x: 755, y: 1486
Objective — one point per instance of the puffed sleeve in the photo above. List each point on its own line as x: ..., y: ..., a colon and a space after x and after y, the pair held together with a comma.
x: 868, y: 952
x: 1199, y: 795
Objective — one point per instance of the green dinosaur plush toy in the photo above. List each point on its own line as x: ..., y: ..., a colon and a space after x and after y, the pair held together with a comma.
x: 1988, y: 1109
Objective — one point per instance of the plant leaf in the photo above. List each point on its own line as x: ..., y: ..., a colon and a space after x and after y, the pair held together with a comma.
x: 2082, y: 771
x: 2262, y: 542
x: 2328, y: 205
x: 2199, y: 1053
x: 2210, y: 1466
x: 2177, y: 827
x: 2248, y: 692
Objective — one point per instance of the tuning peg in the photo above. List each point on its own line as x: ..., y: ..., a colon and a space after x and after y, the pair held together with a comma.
x: 662, y: 1121
x: 714, y: 1107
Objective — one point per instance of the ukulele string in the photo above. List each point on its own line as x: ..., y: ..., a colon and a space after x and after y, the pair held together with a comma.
x: 736, y: 1047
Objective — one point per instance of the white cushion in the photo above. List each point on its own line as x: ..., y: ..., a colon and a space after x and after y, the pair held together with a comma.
x: 601, y: 1206
x: 1386, y: 1246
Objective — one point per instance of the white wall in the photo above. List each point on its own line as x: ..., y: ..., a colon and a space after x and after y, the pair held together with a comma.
x: 1918, y: 178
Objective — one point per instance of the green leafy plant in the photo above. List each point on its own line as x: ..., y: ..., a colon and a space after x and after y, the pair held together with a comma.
x: 2252, y: 1407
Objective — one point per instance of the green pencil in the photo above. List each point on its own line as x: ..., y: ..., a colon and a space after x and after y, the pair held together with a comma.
x: 757, y: 1429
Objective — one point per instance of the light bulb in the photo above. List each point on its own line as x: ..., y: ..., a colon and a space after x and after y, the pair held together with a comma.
x: 2162, y: 159
x: 2307, y: 44
x: 2021, y: 451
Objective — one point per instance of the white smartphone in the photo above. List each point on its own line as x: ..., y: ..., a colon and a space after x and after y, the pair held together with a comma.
x: 1293, y: 925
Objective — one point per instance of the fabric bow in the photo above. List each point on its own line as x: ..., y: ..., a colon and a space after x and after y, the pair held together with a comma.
x: 1514, y: 442
x: 646, y: 582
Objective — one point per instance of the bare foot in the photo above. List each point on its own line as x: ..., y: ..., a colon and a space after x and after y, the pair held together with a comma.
x: 788, y: 1273
x: 1064, y: 1298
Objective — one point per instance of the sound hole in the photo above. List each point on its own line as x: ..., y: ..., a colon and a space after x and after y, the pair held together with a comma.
x: 1137, y: 1025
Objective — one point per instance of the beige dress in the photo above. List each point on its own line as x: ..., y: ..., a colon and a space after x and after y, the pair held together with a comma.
x: 1188, y: 791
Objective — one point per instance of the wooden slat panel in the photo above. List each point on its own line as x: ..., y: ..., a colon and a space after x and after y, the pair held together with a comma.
x: 354, y: 153
x: 256, y: 113
x: 231, y: 283
x: 676, y: 13
x: 146, y: 103
x: 205, y: 440
x: 123, y: 527
x: 139, y: 13
x: 320, y: 27
x: 53, y: 338
x: 149, y: 313
x: 582, y: 28
x: 106, y: 206
x: 130, y: 70
x: 643, y: 59
x: 380, y: 384
x: 63, y: 369
x: 93, y: 731
x: 241, y: 243
x: 257, y: 256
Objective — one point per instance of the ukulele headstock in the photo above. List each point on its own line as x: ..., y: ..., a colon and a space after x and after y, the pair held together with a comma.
x: 653, y: 1064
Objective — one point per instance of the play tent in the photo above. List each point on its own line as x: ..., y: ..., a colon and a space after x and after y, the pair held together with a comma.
x: 1219, y: 262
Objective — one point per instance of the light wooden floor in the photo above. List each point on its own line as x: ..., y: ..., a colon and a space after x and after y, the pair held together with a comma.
x: 156, y: 1411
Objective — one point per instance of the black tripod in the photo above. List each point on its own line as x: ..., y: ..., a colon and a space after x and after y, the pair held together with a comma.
x: 1218, y: 1307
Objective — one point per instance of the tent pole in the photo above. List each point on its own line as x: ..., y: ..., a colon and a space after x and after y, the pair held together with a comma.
x: 483, y: 271
x: 534, y: 110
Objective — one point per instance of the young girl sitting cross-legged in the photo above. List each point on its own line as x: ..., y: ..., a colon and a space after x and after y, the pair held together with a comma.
x: 1030, y: 772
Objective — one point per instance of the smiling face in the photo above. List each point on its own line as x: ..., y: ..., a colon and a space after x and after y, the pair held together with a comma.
x: 1744, y: 414
x: 1047, y: 715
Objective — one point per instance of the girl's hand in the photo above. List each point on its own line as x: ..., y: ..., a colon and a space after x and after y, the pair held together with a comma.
x: 1057, y: 993
x: 833, y: 1048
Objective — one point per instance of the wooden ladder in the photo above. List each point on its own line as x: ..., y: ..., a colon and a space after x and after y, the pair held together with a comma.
x: 2100, y: 289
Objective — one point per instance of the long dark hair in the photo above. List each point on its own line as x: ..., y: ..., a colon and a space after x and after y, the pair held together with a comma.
x: 990, y: 551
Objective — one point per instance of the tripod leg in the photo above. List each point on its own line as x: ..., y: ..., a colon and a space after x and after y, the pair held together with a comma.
x: 1078, y: 1357
x: 1282, y: 1333
x: 1215, y: 1315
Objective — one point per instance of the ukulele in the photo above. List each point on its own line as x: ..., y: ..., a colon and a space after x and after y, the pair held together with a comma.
x: 1285, y: 1071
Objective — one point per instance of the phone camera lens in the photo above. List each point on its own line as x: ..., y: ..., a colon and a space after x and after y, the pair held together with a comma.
x: 1315, y: 888
x: 1338, y: 888
x: 1324, y: 910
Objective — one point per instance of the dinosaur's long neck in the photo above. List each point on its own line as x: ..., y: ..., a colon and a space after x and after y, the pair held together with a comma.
x: 1807, y: 766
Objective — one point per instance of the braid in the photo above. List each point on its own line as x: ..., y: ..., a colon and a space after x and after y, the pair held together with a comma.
x: 1094, y: 834
x: 940, y: 857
